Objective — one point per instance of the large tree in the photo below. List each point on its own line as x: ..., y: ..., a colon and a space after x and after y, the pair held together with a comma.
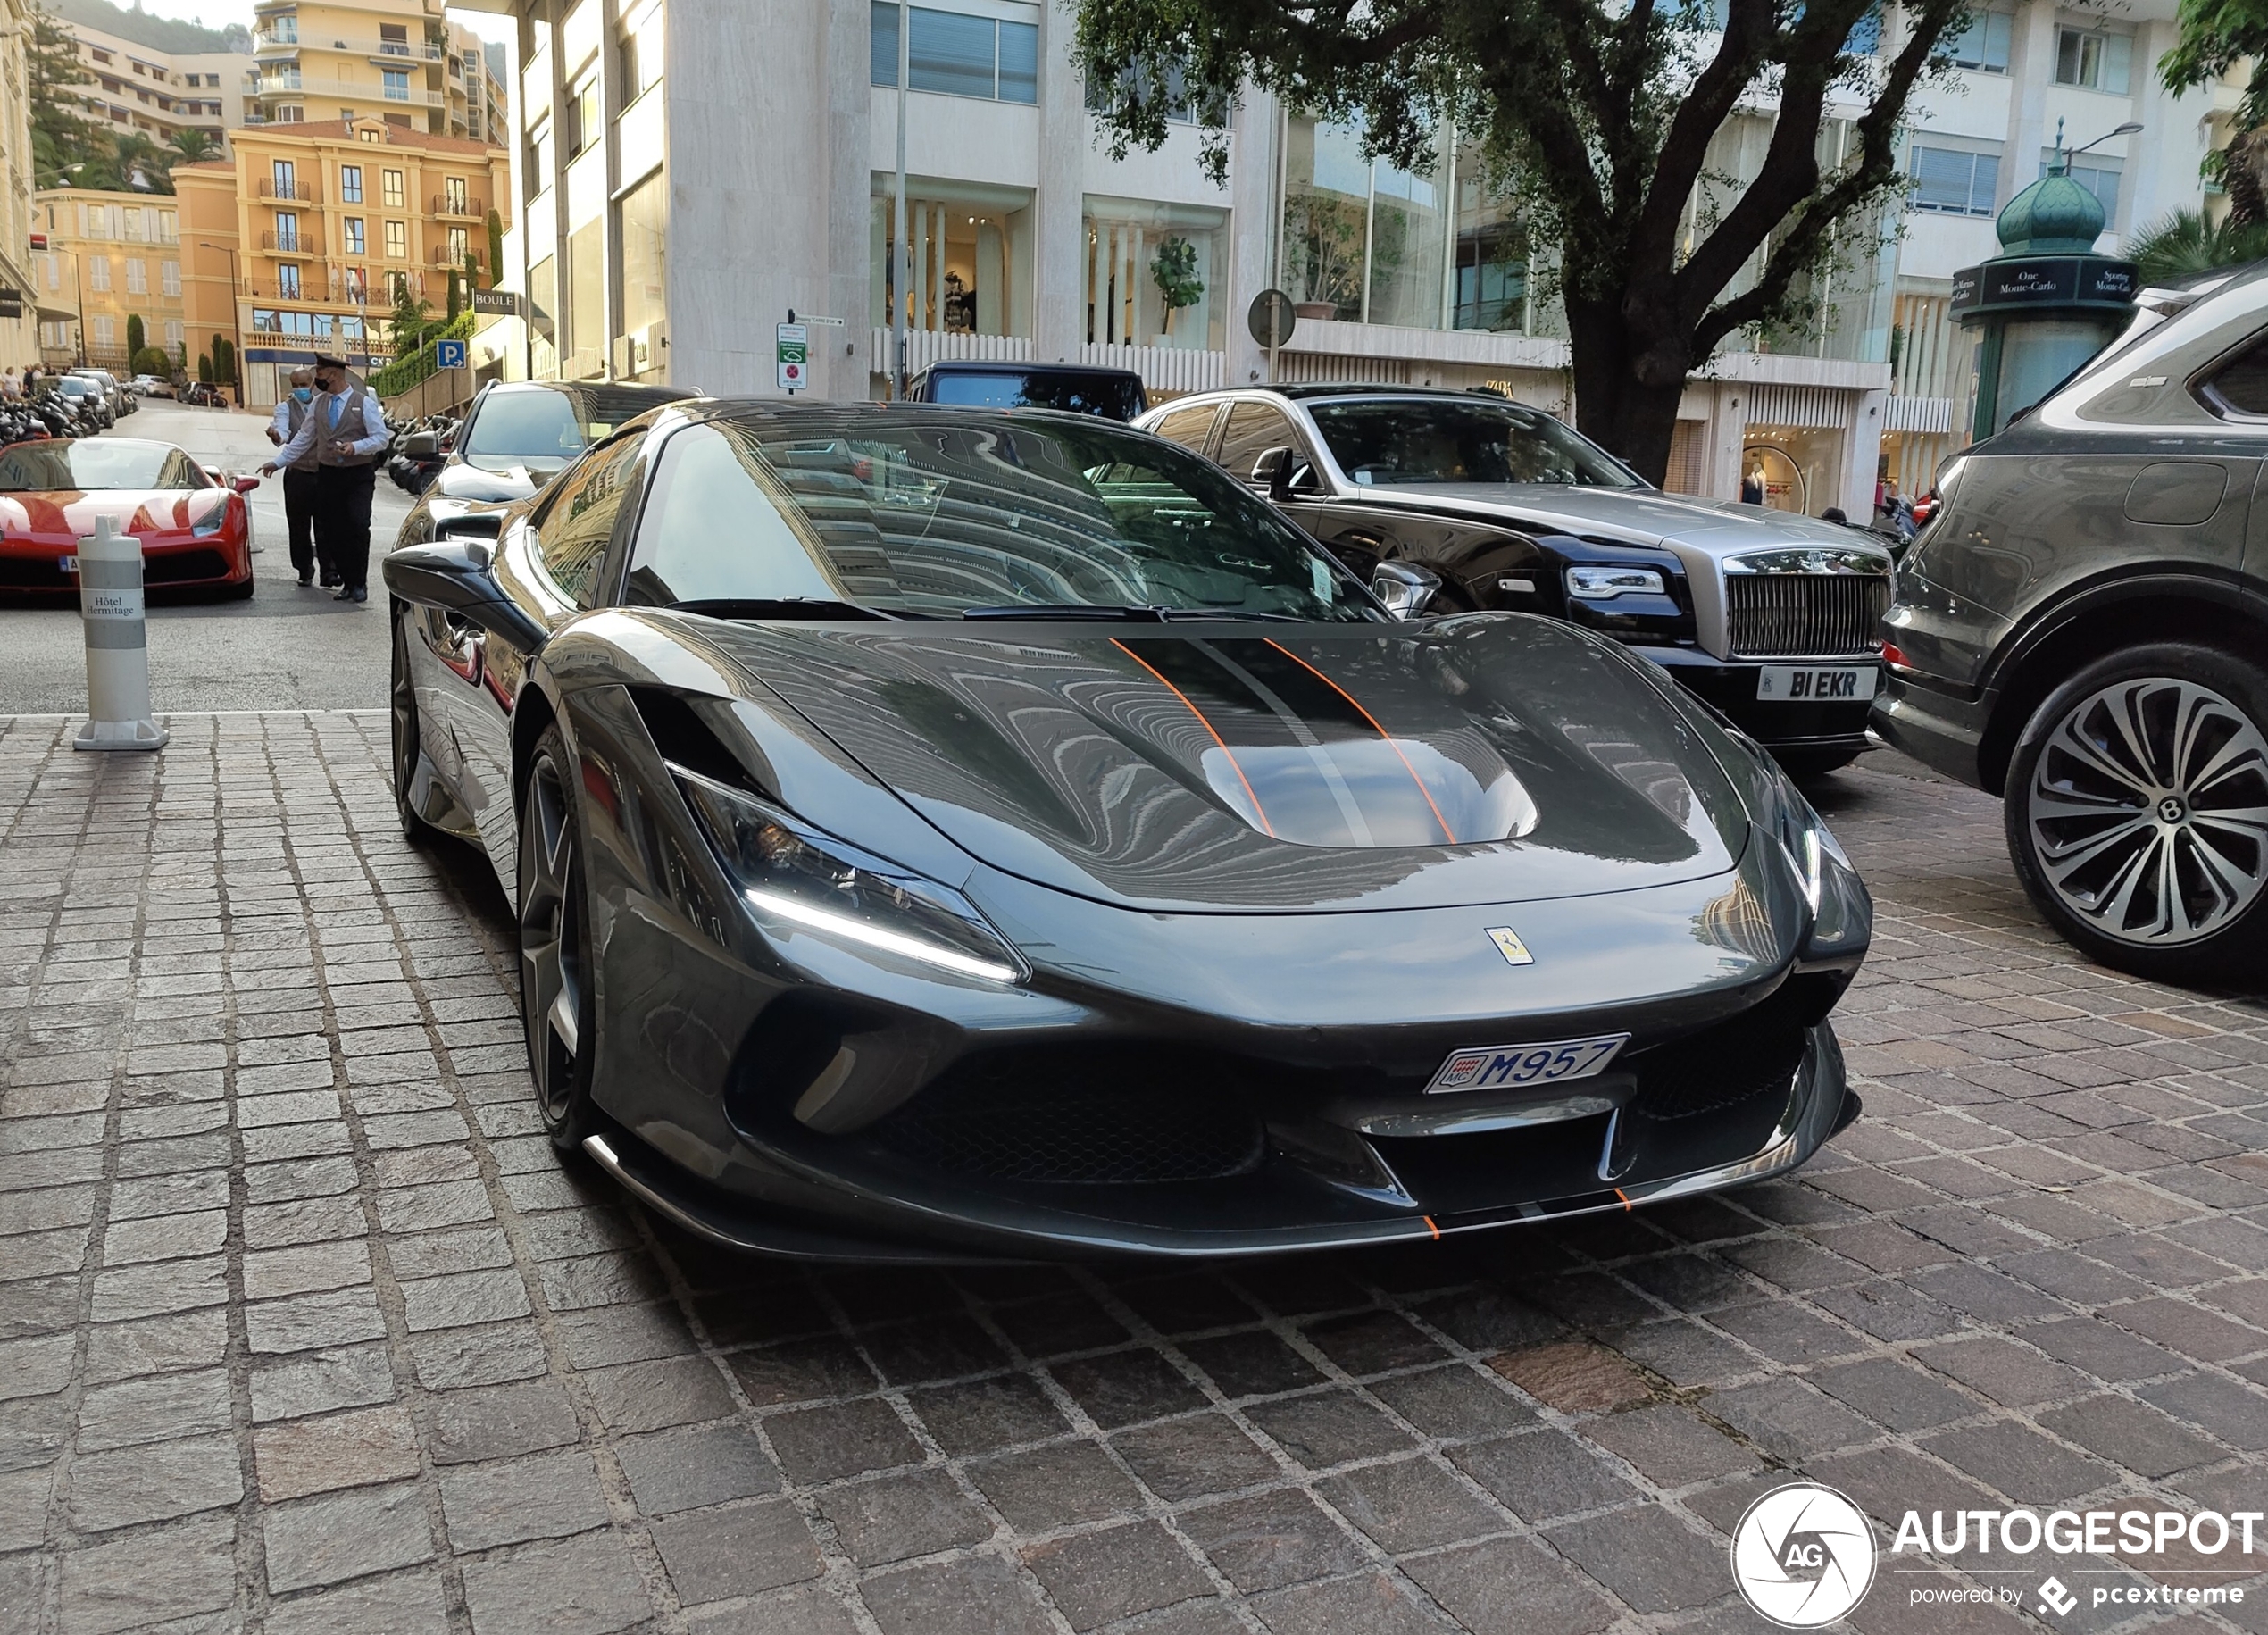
x: 63, y: 139
x: 2216, y: 36
x: 1598, y: 116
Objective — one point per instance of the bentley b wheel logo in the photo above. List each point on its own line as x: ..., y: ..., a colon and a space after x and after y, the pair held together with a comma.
x: 1803, y: 1555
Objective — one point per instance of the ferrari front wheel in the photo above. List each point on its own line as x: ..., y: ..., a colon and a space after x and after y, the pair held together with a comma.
x: 557, y: 1000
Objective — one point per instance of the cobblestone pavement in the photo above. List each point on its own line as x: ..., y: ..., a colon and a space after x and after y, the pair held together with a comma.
x: 304, y: 1327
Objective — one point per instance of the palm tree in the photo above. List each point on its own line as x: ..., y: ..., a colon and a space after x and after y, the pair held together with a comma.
x: 190, y: 145
x: 2185, y: 244
x: 142, y: 163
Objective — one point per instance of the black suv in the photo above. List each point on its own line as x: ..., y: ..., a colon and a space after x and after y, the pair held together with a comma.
x: 2082, y: 626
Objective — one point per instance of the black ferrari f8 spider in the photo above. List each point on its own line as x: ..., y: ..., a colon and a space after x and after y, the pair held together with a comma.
x: 941, y: 833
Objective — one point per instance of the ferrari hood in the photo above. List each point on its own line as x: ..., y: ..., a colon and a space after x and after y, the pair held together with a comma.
x: 69, y: 513
x: 1234, y: 767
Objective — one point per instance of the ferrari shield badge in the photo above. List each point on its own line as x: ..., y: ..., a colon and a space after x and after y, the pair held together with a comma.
x: 1508, y: 944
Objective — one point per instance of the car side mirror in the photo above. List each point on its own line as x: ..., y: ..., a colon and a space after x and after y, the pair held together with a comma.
x: 1404, y: 587
x: 422, y: 445
x: 245, y: 484
x: 1272, y: 470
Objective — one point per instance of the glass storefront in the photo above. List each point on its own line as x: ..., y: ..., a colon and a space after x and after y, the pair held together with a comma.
x: 971, y: 252
x: 645, y: 220
x: 1153, y: 273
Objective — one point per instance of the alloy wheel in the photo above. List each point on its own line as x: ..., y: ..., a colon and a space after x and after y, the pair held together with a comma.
x: 551, y: 940
x: 402, y: 700
x: 2148, y: 811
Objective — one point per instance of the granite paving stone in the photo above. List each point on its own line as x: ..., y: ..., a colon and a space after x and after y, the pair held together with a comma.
x: 304, y: 1325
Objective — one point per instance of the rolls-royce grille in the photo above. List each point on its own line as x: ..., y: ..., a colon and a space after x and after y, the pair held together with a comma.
x: 1806, y: 615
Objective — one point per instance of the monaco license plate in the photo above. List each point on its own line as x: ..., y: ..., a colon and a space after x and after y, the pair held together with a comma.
x: 1513, y: 1067
x: 1816, y: 683
x: 68, y: 564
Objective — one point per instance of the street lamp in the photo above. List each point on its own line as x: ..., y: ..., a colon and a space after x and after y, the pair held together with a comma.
x: 2129, y: 129
x: 235, y: 328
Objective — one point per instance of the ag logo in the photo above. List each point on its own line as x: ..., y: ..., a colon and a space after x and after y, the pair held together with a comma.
x: 1803, y: 1555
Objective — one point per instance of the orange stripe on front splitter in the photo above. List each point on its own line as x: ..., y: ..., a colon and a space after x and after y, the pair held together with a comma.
x: 1207, y: 725
x: 1426, y: 793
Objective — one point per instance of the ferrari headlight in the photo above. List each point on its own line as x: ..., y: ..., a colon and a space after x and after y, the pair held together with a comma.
x: 1802, y: 834
x: 1603, y: 584
x: 788, y: 871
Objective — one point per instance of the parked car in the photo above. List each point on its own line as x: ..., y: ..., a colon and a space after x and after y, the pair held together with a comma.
x: 968, y: 833
x: 193, y: 523
x: 1114, y: 393
x: 1482, y: 502
x: 152, y: 386
x: 114, y: 393
x: 2081, y: 627
x: 515, y: 437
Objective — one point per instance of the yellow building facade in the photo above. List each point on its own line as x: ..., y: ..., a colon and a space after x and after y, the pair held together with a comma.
x: 106, y: 257
x: 19, y: 294
x: 399, y: 61
x: 299, y: 240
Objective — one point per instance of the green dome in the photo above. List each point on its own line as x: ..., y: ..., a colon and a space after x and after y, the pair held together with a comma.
x: 2054, y: 216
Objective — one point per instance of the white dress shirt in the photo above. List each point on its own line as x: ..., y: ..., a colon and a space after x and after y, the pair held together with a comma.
x: 319, y: 423
x: 280, y: 422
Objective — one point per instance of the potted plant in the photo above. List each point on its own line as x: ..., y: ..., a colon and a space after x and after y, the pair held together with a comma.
x: 1174, y: 269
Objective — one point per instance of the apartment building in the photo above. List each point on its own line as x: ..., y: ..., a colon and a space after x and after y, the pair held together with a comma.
x: 20, y: 313
x: 2031, y: 76
x: 132, y: 87
x: 399, y: 61
x: 299, y: 241
x: 106, y: 257
x: 690, y: 171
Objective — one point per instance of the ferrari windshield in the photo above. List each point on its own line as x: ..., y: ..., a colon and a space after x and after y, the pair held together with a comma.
x: 1403, y: 440
x: 66, y: 463
x: 971, y: 514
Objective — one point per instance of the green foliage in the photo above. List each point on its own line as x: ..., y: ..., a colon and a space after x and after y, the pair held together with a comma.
x: 62, y: 139
x: 2215, y: 36
x: 2186, y: 244
x: 180, y: 356
x: 189, y: 145
x: 409, y: 368
x: 224, y: 362
x: 204, y: 370
x: 411, y: 320
x: 151, y: 361
x: 1174, y: 271
x: 456, y: 297
x: 137, y: 338
x: 1597, y: 118
x: 496, y: 243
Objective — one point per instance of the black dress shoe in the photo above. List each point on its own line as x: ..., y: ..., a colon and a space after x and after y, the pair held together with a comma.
x: 346, y: 593
x: 330, y: 581
x: 307, y: 580
x: 361, y: 593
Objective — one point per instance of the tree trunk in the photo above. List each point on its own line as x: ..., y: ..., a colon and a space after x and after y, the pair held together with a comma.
x: 1628, y: 385
x: 2240, y: 176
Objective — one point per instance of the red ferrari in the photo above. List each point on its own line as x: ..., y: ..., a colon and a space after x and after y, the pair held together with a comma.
x: 194, y: 526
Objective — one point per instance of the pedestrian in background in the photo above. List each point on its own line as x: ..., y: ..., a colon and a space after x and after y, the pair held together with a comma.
x: 346, y: 429
x: 10, y: 386
x: 309, y: 551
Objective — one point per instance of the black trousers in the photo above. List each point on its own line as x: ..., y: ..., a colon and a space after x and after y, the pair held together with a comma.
x: 307, y: 551
x: 343, y: 518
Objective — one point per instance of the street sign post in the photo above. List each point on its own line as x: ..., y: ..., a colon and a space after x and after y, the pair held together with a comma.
x: 448, y: 354
x: 792, y: 345
x: 1270, y: 321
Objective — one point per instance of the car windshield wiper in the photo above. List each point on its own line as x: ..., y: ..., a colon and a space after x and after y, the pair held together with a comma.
x: 1100, y: 611
x: 778, y: 607
x: 1231, y: 612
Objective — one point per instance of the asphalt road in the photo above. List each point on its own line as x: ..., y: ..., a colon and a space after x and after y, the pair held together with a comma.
x: 286, y: 648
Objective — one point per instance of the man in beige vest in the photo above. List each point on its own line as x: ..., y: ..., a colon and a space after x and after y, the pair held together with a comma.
x: 308, y: 553
x: 345, y: 430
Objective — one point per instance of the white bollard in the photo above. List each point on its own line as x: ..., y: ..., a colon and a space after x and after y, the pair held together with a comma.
x: 118, y: 652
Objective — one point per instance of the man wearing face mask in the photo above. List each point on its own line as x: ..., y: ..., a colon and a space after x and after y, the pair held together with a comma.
x: 345, y: 430
x: 308, y: 552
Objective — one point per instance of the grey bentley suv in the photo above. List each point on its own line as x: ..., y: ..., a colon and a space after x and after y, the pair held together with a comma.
x: 1469, y: 501
x: 2083, y: 627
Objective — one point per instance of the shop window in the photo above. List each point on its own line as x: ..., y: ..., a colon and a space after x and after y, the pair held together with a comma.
x: 1153, y: 273
x: 645, y: 219
x: 971, y: 265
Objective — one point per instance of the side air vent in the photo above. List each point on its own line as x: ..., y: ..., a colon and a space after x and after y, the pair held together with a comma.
x: 676, y: 726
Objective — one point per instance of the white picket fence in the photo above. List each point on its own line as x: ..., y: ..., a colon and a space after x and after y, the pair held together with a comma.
x: 1166, y: 369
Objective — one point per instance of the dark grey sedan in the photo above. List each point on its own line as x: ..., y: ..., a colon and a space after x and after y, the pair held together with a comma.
x: 2083, y: 627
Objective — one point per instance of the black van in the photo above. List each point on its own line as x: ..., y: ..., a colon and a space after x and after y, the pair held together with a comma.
x: 1113, y: 394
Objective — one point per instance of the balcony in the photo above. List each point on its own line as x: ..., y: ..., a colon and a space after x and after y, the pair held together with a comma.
x: 361, y: 93
x: 471, y: 209
x: 294, y: 192
x: 304, y: 246
x: 455, y: 264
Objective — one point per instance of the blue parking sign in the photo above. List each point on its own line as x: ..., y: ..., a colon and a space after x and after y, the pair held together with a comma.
x: 448, y: 354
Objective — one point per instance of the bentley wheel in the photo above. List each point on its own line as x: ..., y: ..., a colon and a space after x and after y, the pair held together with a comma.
x: 2137, y: 811
x: 402, y: 700
x: 556, y: 999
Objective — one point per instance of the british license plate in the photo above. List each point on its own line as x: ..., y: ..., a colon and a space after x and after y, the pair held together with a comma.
x: 1816, y: 683
x: 1513, y: 1067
